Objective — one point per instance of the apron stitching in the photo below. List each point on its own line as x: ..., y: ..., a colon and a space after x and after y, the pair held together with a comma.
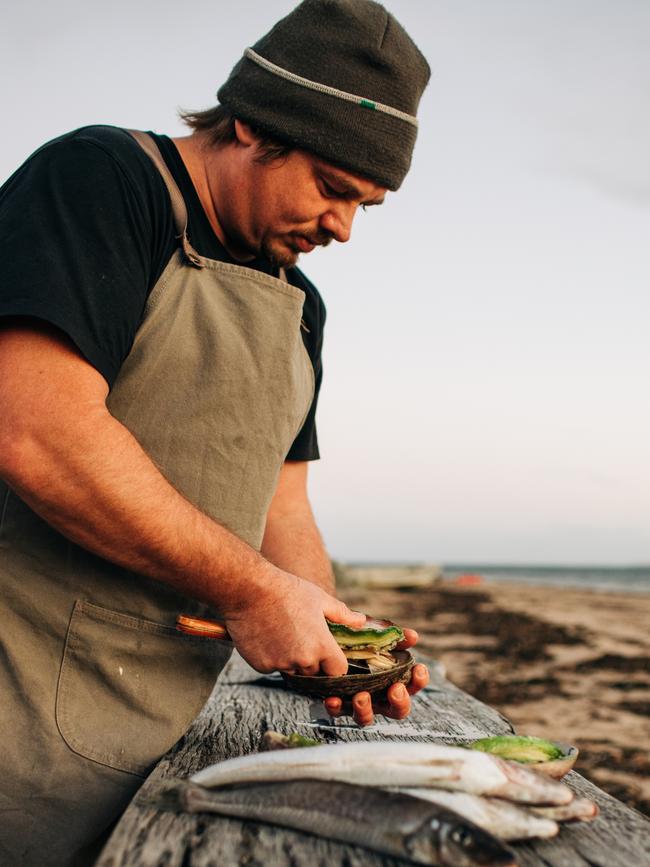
x: 260, y: 277
x: 64, y: 723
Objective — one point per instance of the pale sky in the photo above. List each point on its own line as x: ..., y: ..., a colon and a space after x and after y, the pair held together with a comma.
x: 487, y: 355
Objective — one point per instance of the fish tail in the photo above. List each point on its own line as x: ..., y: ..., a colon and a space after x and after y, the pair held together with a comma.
x: 579, y: 810
x: 530, y: 787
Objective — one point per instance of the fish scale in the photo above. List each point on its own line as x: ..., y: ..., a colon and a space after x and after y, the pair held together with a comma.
x: 390, y: 823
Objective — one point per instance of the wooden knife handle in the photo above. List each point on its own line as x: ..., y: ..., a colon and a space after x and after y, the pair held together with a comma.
x: 205, y: 628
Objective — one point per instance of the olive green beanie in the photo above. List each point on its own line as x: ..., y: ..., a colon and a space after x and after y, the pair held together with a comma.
x: 339, y: 78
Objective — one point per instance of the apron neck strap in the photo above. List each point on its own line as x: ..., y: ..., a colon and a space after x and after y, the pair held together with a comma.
x: 179, y: 209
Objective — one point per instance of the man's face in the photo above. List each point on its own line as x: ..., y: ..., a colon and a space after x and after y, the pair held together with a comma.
x: 294, y: 204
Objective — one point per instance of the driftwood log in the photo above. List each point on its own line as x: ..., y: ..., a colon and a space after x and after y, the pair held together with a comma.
x: 244, y: 705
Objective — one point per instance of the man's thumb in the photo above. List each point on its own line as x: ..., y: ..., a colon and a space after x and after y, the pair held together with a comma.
x: 338, y: 612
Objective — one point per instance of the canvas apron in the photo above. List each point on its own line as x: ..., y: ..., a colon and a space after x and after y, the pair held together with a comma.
x: 95, y: 682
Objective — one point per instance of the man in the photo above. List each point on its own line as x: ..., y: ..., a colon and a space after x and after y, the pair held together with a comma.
x: 159, y: 368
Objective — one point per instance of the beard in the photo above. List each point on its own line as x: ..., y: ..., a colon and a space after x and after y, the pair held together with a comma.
x: 280, y: 250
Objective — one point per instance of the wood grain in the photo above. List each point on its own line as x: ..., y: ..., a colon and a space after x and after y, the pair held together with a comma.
x: 244, y: 705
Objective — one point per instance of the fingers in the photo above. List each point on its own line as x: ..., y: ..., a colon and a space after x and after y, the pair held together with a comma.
x: 333, y: 665
x: 399, y: 695
x: 399, y: 701
x: 419, y: 678
x: 336, y: 664
x: 410, y: 638
x: 338, y: 612
x: 307, y: 670
x: 398, y: 705
x: 362, y: 709
x: 334, y: 706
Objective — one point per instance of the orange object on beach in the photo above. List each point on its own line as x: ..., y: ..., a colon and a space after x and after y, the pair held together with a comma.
x: 469, y: 578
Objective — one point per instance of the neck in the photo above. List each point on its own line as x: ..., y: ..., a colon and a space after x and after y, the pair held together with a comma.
x: 205, y: 165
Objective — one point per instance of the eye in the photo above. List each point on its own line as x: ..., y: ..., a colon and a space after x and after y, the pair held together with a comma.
x: 462, y: 836
x: 328, y: 190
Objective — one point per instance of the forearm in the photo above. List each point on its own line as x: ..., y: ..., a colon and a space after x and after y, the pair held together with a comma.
x: 293, y: 542
x: 86, y: 475
x: 93, y: 482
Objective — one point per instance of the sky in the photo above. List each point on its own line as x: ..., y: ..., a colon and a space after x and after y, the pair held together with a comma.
x: 487, y: 351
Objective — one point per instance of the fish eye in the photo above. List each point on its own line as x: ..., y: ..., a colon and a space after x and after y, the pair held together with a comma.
x: 462, y: 836
x: 434, y: 824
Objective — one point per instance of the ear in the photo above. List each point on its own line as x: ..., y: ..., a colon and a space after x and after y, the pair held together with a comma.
x: 244, y: 133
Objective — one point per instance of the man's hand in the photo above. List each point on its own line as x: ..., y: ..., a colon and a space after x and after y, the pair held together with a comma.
x: 280, y: 624
x: 398, y: 705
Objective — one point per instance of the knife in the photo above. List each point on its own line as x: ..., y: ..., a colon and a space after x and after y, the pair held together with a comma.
x: 204, y: 628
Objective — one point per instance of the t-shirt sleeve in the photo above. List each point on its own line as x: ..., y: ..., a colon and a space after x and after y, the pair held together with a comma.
x: 76, y: 249
x: 305, y: 446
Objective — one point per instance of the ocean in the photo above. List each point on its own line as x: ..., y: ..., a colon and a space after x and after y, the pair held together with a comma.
x: 628, y: 579
x: 625, y: 579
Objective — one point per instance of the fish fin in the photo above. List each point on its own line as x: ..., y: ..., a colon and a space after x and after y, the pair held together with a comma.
x: 169, y: 796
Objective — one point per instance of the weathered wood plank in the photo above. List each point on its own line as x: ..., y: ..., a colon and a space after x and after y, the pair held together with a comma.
x: 244, y: 705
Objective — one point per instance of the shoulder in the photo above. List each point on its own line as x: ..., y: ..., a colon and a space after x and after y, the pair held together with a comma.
x: 93, y: 157
x: 98, y: 142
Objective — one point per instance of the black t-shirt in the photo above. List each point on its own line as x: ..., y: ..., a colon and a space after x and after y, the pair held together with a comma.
x: 86, y: 230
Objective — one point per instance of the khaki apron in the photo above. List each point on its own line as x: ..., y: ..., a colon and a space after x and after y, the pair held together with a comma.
x: 95, y: 682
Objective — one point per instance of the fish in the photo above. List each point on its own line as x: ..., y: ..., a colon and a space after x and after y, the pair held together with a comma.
x: 579, y: 810
x: 389, y: 823
x: 393, y: 763
x: 501, y: 818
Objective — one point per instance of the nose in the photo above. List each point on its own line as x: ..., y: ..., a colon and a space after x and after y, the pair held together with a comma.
x: 337, y: 220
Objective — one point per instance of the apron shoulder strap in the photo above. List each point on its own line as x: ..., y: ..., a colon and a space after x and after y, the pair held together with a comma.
x: 179, y: 208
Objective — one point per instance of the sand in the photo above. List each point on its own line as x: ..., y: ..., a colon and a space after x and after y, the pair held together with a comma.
x: 569, y: 665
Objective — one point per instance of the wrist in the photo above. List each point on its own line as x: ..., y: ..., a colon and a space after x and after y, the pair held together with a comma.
x: 258, y: 584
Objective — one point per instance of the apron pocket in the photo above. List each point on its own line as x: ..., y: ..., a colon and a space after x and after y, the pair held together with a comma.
x: 129, y: 688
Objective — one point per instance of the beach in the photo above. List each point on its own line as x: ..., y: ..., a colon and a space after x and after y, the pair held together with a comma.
x: 567, y: 664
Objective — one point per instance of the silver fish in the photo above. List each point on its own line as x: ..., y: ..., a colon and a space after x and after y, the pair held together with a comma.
x: 393, y: 763
x: 386, y: 822
x: 505, y: 820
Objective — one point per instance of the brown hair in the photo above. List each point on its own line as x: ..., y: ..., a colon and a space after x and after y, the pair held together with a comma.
x: 219, y: 125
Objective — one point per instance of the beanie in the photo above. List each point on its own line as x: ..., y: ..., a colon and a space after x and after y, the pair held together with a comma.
x: 339, y: 78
